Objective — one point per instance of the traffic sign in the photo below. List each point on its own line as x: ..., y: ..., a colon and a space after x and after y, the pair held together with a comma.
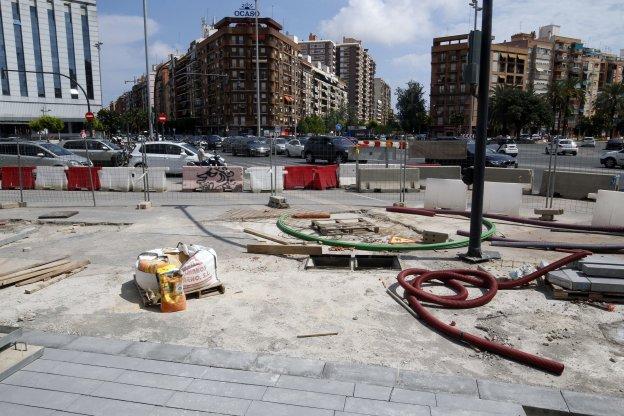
x: 162, y: 118
x: 338, y: 127
x: 89, y: 116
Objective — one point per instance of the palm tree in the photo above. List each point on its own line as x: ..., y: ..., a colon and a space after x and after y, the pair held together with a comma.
x: 610, y: 102
x: 563, y: 95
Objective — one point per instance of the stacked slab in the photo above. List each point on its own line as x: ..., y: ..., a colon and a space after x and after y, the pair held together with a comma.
x: 596, y: 273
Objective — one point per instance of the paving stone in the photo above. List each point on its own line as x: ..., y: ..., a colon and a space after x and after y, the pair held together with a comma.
x: 221, y: 358
x: 111, y: 361
x: 437, y: 383
x: 222, y: 388
x: 47, y: 339
x: 278, y: 409
x: 534, y: 397
x: 591, y: 404
x: 569, y: 279
x: 74, y: 370
x: 605, y: 284
x: 304, y: 398
x: 11, y: 409
x: 55, y: 400
x: 602, y: 259
x: 437, y: 411
x: 291, y: 366
x: 158, y: 351
x: 599, y: 270
x: 316, y: 385
x: 239, y: 376
x: 379, y: 408
x: 369, y: 391
x: 164, y: 381
x: 170, y: 411
x: 462, y: 402
x: 360, y: 373
x: 413, y: 397
x: 59, y: 355
x: 225, y: 405
x: 139, y: 394
x: 97, y: 344
x: 96, y: 406
x: 52, y: 382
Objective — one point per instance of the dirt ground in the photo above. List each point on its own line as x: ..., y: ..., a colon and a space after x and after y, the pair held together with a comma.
x: 272, y: 299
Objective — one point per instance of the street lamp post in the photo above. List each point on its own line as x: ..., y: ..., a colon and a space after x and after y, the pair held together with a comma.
x: 149, y: 106
x: 474, y: 4
x: 98, y: 45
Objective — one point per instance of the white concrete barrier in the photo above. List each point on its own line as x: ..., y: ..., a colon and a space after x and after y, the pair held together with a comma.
x: 502, y: 198
x: 445, y: 194
x: 156, y: 177
x: 51, y: 177
x: 387, y: 180
x: 608, y: 211
x: 116, y: 179
x: 258, y: 179
x: 347, y: 172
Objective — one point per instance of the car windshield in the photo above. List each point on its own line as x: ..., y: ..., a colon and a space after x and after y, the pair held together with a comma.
x: 471, y: 149
x: 55, y: 149
x: 280, y: 141
x: 564, y: 142
x: 343, y: 141
x: 111, y: 145
x: 190, y: 148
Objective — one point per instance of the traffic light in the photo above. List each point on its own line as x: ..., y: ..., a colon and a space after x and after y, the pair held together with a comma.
x: 471, y: 70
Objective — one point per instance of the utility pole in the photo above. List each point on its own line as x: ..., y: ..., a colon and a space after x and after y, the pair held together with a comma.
x: 149, y: 106
x: 474, y: 4
x: 98, y: 45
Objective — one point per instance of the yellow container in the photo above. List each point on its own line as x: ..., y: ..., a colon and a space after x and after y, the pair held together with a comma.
x: 172, y: 298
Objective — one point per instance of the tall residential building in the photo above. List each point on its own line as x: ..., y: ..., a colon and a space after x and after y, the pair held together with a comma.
x: 321, y: 91
x: 322, y: 51
x: 357, y: 68
x: 540, y: 54
x: 382, y: 101
x: 57, y: 36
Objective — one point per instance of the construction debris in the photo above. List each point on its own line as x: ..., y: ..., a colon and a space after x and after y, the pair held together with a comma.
x: 397, y: 239
x: 548, y: 214
x: 23, y: 233
x: 45, y: 272
x: 278, y: 202
x: 58, y: 215
x: 277, y: 249
x: 344, y: 226
x: 265, y: 236
x: 322, y: 334
x: 433, y: 237
x: 311, y: 215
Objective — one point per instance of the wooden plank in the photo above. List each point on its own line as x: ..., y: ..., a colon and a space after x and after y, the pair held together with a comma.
x: 31, y: 266
x: 28, y: 274
x: 53, y: 280
x: 48, y: 274
x: 311, y: 215
x: 17, y: 236
x: 265, y: 236
x: 284, y: 249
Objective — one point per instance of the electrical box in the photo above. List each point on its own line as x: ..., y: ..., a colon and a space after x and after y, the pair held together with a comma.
x: 471, y: 70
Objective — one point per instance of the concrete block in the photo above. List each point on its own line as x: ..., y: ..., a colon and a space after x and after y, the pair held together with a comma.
x: 445, y: 193
x: 442, y: 411
x: 52, y: 382
x: 158, y: 351
x: 569, y: 279
x: 278, y: 409
x: 259, y: 179
x: 18, y: 409
x: 347, y: 171
x: 51, y: 177
x: 212, y: 179
x: 606, y: 285
x: 205, y: 403
x: 539, y: 398
x: 608, y: 209
x: 603, y: 259
x: 316, y: 385
x: 413, y: 397
x: 239, y: 376
x: 286, y: 365
x: 360, y: 373
x: 592, y: 404
x: 502, y: 198
x: 75, y: 370
x: 369, y: 391
x: 139, y: 394
x: 96, y: 406
x: 598, y: 270
x: 165, y: 381
x: 98, y: 345
x: 222, y: 358
x: 577, y: 185
x: 387, y: 180
x: 439, y: 172
x: 461, y: 402
x: 169, y: 368
x: 523, y: 177
x: 222, y: 388
x: 144, y: 205
x: 157, y: 179
x: 437, y: 383
x: 304, y: 398
x: 47, y: 339
x: 60, y: 355
x: 380, y: 408
x: 27, y: 396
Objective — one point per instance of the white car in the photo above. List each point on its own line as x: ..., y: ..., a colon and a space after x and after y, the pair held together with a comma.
x: 510, y: 149
x: 294, y: 148
x: 564, y: 146
x: 172, y: 155
x: 612, y: 159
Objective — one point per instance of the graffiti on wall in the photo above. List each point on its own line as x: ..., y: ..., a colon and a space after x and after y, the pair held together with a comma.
x: 212, y: 179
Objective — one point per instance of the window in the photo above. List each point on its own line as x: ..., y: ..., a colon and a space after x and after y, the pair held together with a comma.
x: 155, y: 149
x: 86, y: 46
x: 8, y: 149
x: 30, y: 150
x: 34, y: 23
x: 19, y: 48
x: 3, y: 61
x: 71, y: 52
x: 94, y: 145
x: 74, y: 145
x: 172, y: 149
x: 56, y: 67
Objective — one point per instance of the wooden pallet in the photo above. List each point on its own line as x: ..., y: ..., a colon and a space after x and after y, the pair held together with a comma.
x: 561, y: 293
x: 344, y: 226
x: 147, y: 300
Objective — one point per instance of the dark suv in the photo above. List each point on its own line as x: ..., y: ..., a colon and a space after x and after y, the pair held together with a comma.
x: 331, y: 149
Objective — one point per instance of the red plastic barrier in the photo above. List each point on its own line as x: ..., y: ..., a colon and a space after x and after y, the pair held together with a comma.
x: 78, y: 178
x: 325, y: 177
x: 10, y: 177
x: 311, y: 177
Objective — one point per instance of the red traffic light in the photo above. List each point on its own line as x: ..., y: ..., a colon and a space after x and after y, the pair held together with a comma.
x: 162, y: 118
x: 89, y: 116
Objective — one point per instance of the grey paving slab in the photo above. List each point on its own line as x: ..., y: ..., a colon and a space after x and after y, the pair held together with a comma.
x: 170, y: 411
x: 600, y: 270
x: 97, y: 344
x: 569, y: 279
x: 60, y: 413
x: 594, y: 405
x: 74, y: 370
x: 369, y: 391
x: 278, y: 409
x: 139, y: 378
x: 96, y: 406
x: 304, y: 398
x: 606, y: 284
x: 604, y: 259
x: 462, y: 402
x: 202, y: 402
x: 221, y: 358
x: 239, y: 376
x: 52, y: 382
x: 47, y: 339
x: 291, y: 366
x: 11, y: 409
x: 343, y: 388
x: 222, y: 388
x: 158, y: 351
x: 536, y: 397
x: 55, y: 400
x: 107, y: 360
x: 360, y: 373
x: 59, y: 355
x: 437, y: 383
x: 380, y: 408
x: 138, y: 394
x: 413, y: 397
x: 438, y: 411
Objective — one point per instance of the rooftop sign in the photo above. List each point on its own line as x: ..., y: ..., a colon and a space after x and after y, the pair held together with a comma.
x: 247, y: 9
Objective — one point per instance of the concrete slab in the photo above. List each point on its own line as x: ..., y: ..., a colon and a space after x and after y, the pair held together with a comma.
x: 437, y: 383
x: 599, y: 270
x: 74, y: 370
x: 381, y: 408
x: 137, y: 394
x: 316, y: 385
x: 158, y: 351
x: 603, y: 259
x: 222, y: 388
x: 205, y: 403
x: 413, y: 397
x: 569, y: 279
x: 607, y: 285
x: 220, y: 358
x: 304, y: 398
x: 96, y: 406
x: 368, y: 391
x: 240, y: 376
x: 540, y: 398
x: 461, y: 402
x: 99, y: 345
x: 360, y: 373
x: 592, y: 404
x: 47, y: 339
x: 18, y: 409
x: 48, y: 399
x: 165, y: 381
x: 278, y: 409
x: 291, y: 366
x: 53, y: 382
x: 13, y: 360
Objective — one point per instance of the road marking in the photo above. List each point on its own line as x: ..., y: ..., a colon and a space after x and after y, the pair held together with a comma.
x: 370, y: 197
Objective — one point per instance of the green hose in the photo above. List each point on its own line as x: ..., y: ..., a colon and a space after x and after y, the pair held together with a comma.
x: 463, y: 242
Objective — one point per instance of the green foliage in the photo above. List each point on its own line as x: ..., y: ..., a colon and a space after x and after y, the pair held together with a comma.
x: 411, y: 108
x: 563, y: 95
x: 610, y: 106
x: 312, y: 124
x: 513, y: 110
x: 134, y: 120
x: 336, y: 117
x: 52, y: 124
x: 111, y: 121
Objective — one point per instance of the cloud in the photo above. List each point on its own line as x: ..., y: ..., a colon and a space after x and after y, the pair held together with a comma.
x: 413, y: 60
x: 119, y: 29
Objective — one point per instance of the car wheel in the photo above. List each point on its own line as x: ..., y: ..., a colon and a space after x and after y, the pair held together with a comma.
x: 574, y: 153
x: 341, y: 158
x: 309, y: 158
x: 610, y: 163
x: 287, y: 153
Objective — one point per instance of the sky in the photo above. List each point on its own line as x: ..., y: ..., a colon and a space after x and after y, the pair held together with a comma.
x: 398, y: 33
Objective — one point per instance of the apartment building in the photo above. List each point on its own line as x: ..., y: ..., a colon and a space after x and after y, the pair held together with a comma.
x: 540, y: 56
x: 321, y: 51
x: 321, y: 90
x: 382, y: 101
x: 356, y: 67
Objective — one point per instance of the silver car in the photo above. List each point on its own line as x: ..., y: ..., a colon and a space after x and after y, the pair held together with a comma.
x: 294, y: 148
x: 38, y: 154
x: 101, y: 152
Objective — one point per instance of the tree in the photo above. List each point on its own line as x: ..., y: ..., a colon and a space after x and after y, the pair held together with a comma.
x: 52, y: 124
x: 513, y: 110
x: 562, y: 96
x: 411, y: 107
x: 336, y: 117
x: 111, y: 121
x: 610, y: 105
x: 457, y: 120
x: 312, y: 124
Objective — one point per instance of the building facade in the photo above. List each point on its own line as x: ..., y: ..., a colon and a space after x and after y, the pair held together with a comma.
x: 356, y: 67
x: 54, y: 36
x: 321, y: 90
x: 382, y: 101
x: 321, y: 51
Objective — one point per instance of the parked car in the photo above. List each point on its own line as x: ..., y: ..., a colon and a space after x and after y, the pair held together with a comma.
x: 101, y: 152
x: 294, y: 148
x: 279, y: 145
x: 250, y: 146
x: 213, y: 142
x: 331, y: 149
x: 172, y: 155
x: 588, y: 142
x: 563, y: 147
x: 35, y: 153
x: 228, y: 142
x: 510, y: 149
x: 492, y: 159
x: 612, y: 159
x: 615, y: 144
